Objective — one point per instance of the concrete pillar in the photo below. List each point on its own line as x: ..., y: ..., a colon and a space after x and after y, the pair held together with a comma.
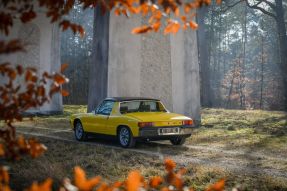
x: 185, y: 75
x: 42, y: 41
x: 150, y: 65
x: 98, y: 80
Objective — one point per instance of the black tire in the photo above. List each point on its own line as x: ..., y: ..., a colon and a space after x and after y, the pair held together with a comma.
x: 79, y: 132
x: 125, y: 137
x: 178, y: 140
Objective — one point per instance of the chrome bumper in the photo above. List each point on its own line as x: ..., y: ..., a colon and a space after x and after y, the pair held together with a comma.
x: 147, y: 132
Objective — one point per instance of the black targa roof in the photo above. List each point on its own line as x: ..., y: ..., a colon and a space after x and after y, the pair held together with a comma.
x: 130, y: 98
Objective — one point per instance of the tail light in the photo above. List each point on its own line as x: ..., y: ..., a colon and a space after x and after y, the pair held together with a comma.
x: 145, y: 124
x: 187, y: 122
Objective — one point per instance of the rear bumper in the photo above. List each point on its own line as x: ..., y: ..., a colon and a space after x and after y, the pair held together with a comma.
x: 153, y: 133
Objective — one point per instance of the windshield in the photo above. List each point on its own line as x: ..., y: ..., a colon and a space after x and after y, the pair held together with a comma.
x: 141, y: 106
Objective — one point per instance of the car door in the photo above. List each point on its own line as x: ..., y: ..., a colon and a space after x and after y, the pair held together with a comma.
x: 98, y: 122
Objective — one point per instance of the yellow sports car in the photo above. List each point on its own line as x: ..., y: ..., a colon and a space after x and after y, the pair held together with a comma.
x: 132, y: 119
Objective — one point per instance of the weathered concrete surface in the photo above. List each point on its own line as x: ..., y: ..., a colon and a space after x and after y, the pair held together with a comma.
x: 185, y: 75
x: 124, y: 57
x: 42, y: 52
x: 156, y: 79
x: 98, y: 81
x: 150, y: 65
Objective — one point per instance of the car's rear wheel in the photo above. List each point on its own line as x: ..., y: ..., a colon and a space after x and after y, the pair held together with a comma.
x: 125, y: 137
x: 80, y: 134
x: 178, y: 140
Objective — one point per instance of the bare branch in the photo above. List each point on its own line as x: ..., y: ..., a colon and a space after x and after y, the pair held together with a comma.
x: 227, y: 6
x: 260, y: 8
x: 269, y: 3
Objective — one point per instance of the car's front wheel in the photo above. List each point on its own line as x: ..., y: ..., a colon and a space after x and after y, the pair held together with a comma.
x: 80, y: 134
x: 178, y: 140
x: 125, y: 137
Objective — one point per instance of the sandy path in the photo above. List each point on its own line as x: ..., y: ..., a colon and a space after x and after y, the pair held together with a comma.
x: 238, y: 161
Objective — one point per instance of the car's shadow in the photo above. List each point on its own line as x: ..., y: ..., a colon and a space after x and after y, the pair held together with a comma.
x: 164, y: 147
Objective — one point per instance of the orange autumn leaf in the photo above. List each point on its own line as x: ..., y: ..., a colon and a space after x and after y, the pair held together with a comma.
x: 167, y: 10
x: 193, y: 25
x: 155, y: 181
x: 11, y: 46
x: 218, y: 186
x: 125, y: 12
x: 19, y: 69
x: 183, y: 18
x: 45, y: 186
x: 81, y: 31
x: 143, y: 29
x: 156, y: 26
x: 64, y: 67
x: 208, y: 2
x: 133, y: 181
x: 2, y: 151
x: 177, y: 182
x: 5, y: 188
x: 184, y: 27
x: 29, y: 75
x: 54, y: 89
x: 82, y: 182
x: 172, y: 27
x: 34, y: 78
x: 134, y: 10
x: 218, y: 1
x: 169, y: 164
x: 117, y: 12
x: 144, y: 9
x: 187, y: 8
x: 22, y: 143
x: 65, y: 24
x: 12, y: 74
x: 103, y: 187
x: 27, y: 16
x: 60, y: 79
x: 181, y: 172
x: 177, y: 12
x: 64, y: 93
x: 41, y: 91
x: 117, y: 184
x: 130, y: 2
x: 4, y: 176
x: 164, y: 189
x: 157, y: 15
x: 36, y: 148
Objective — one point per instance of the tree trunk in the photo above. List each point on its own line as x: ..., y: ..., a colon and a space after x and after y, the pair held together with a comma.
x: 242, y: 67
x: 206, y: 91
x: 281, y: 27
x: 231, y: 87
x: 262, y: 72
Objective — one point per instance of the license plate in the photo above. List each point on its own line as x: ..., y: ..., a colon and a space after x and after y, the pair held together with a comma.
x: 168, y: 131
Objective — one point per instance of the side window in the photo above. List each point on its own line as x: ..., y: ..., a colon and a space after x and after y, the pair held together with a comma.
x: 152, y: 105
x: 105, y: 108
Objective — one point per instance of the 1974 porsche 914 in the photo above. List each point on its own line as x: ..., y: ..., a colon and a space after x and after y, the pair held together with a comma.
x: 132, y: 119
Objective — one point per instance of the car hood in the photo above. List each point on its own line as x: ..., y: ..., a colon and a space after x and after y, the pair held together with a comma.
x: 157, y: 116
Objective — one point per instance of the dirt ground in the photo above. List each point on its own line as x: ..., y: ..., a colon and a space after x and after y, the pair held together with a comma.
x: 247, y: 148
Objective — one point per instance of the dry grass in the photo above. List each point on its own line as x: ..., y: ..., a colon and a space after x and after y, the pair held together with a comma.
x: 258, y: 130
x: 231, y: 130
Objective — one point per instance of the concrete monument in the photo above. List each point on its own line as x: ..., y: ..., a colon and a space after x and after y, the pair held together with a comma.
x: 150, y: 65
x: 42, y: 40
